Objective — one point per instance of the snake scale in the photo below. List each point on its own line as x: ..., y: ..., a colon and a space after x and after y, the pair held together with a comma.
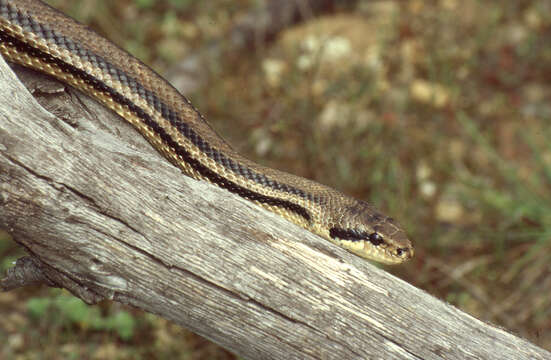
x: 37, y: 36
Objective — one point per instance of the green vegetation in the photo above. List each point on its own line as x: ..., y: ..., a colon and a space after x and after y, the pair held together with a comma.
x: 436, y: 111
x: 67, y: 311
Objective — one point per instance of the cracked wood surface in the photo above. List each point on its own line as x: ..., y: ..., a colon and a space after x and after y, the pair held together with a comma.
x: 92, y: 202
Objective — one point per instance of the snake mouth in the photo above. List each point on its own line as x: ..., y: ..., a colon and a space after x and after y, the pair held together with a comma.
x: 385, y: 253
x: 391, y: 258
x: 382, y: 252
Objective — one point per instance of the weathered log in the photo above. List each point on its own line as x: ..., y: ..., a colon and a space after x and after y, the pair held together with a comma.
x: 104, y: 215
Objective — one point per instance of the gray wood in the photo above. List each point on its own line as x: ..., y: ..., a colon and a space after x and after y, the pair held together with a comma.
x: 96, y: 205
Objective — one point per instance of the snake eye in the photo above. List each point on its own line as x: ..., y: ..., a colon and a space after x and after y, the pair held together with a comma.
x: 375, y: 238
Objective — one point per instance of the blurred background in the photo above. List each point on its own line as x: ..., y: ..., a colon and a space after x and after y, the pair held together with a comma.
x: 436, y: 111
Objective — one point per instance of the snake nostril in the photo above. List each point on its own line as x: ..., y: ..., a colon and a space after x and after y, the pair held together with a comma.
x: 404, y: 252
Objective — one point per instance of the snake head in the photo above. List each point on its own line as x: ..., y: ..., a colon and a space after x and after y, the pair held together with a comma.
x: 364, y: 231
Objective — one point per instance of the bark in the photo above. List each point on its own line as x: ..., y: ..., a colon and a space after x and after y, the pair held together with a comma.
x: 102, y: 214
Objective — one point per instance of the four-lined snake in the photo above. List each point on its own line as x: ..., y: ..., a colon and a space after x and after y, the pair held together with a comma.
x: 37, y: 36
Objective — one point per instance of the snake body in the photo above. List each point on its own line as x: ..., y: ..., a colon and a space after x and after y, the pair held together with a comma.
x: 37, y: 36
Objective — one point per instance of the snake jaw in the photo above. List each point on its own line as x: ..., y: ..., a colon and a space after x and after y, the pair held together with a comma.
x: 391, y: 251
x: 385, y: 253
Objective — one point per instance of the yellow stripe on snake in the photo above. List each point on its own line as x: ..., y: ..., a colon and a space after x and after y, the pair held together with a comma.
x: 37, y: 36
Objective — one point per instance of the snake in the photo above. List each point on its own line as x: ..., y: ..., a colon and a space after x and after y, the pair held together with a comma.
x: 37, y: 36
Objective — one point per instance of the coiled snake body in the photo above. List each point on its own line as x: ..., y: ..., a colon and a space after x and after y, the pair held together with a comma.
x: 37, y: 36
